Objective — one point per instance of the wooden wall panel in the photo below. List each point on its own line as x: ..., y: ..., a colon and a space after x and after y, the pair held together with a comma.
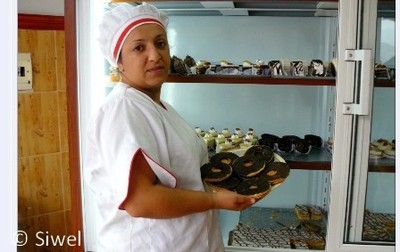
x: 60, y: 60
x: 38, y: 124
x: 39, y: 185
x: 53, y: 224
x: 41, y: 45
x: 44, y: 190
x: 63, y: 121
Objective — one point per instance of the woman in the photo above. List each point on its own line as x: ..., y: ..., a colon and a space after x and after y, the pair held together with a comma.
x: 143, y: 160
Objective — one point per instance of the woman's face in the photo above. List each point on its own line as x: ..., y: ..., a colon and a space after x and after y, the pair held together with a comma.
x: 145, y: 58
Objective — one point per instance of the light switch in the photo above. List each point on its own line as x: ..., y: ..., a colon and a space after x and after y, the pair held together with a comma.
x: 24, y: 71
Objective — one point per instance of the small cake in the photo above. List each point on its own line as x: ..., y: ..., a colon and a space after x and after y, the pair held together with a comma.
x: 251, y: 138
x: 248, y: 166
x: 273, y: 137
x: 316, y: 213
x: 209, y: 139
x: 316, y: 68
x: 261, y: 151
x: 225, y: 63
x: 314, y: 140
x: 375, y: 152
x: 180, y: 66
x: 302, y: 212
x: 224, y: 157
x: 267, y: 142
x: 296, y: 68
x: 309, y: 212
x: 252, y: 132
x: 317, y: 244
x: 239, y: 132
x: 213, y: 132
x: 220, y: 139
x: 246, y: 144
x: 382, y: 144
x: 225, y: 146
x: 230, y: 184
x: 332, y: 68
x: 381, y: 72
x: 202, y: 66
x: 276, y: 172
x: 199, y: 131
x: 275, y: 67
x: 247, y: 64
x: 259, y: 68
x: 302, y: 146
x: 284, y: 145
x: 236, y: 140
x: 390, y: 152
x: 189, y: 61
x: 215, y: 171
x: 226, y: 132
x: 254, y: 187
x: 291, y: 138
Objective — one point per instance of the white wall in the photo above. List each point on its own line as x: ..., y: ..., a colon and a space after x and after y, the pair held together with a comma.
x: 9, y: 128
x: 42, y: 7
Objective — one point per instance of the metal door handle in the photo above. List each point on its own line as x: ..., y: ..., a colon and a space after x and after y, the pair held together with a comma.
x: 366, y: 83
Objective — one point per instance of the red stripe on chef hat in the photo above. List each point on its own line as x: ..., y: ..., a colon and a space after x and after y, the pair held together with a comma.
x: 128, y: 29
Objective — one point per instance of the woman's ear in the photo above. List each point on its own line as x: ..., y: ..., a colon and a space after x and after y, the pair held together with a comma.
x: 120, y: 67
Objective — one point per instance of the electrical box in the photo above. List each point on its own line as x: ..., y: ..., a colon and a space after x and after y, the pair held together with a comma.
x: 24, y: 71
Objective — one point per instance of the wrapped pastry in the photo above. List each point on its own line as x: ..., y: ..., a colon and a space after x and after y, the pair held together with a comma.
x: 180, y: 66
x: 275, y: 67
x: 189, y: 61
x: 296, y: 68
x: 316, y: 68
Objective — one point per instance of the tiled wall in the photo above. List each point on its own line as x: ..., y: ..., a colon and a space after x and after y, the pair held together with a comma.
x: 43, y: 169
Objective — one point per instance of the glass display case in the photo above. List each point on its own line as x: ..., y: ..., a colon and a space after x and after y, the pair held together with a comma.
x: 345, y: 186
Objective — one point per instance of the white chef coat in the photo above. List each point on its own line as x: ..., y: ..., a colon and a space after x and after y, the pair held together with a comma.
x: 128, y: 122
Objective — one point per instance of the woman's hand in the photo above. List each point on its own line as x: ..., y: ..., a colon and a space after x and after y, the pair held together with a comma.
x: 229, y: 200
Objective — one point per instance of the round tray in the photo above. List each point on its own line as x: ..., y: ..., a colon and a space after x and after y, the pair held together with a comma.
x: 277, y: 158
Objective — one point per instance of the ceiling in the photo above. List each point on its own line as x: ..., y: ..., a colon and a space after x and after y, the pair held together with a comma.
x: 300, y: 8
x: 248, y: 8
x: 220, y: 8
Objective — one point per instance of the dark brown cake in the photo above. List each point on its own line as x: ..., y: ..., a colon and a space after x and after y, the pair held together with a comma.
x: 284, y: 145
x: 262, y: 151
x: 302, y: 146
x: 314, y: 140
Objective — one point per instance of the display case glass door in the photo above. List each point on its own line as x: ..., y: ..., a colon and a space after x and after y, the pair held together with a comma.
x: 362, y: 213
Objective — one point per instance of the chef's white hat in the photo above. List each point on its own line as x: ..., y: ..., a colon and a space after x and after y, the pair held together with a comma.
x: 118, y: 22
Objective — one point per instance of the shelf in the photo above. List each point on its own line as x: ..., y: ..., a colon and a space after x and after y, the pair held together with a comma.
x: 252, y: 79
x: 263, y: 80
x: 317, y: 159
x: 320, y: 159
x: 264, y: 228
x: 382, y: 165
x: 384, y: 83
